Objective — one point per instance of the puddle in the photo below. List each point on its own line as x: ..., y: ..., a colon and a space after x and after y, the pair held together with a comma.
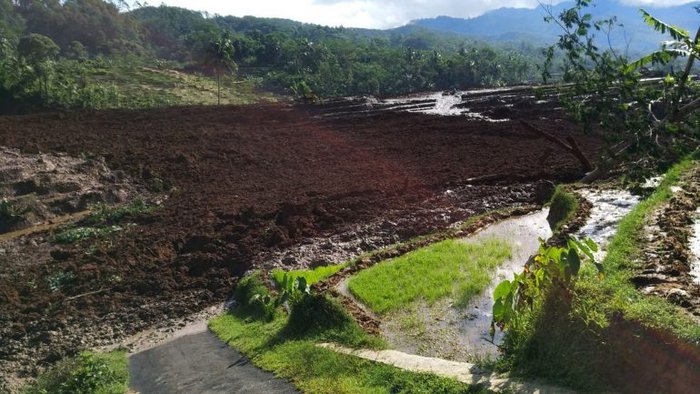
x: 441, y: 104
x: 609, y: 208
x: 695, y: 249
x: 445, y: 105
x: 472, y: 104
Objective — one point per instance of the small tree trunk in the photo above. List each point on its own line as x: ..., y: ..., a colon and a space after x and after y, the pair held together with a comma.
x: 218, y: 85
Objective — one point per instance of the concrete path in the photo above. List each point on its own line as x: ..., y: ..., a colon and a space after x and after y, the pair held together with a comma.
x: 463, y: 372
x: 199, y: 362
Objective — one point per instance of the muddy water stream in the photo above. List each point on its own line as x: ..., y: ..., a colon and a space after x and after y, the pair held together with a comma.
x: 610, y: 206
x: 695, y: 249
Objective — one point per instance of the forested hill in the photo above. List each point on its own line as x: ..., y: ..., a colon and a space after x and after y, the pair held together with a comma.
x: 92, y: 53
x: 49, y: 46
x: 522, y: 24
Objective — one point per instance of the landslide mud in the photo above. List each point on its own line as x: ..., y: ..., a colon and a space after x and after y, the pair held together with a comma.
x: 247, y: 184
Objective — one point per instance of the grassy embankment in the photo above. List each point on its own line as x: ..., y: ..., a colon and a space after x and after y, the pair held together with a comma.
x: 449, y: 268
x: 574, y: 342
x: 89, y: 372
x: 286, y: 345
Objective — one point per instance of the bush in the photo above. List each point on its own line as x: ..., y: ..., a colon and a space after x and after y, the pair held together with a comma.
x: 323, y: 319
x: 88, y: 373
x: 562, y: 208
x: 254, y: 298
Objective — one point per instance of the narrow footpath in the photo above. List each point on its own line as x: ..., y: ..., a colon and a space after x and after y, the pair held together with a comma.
x: 199, y: 362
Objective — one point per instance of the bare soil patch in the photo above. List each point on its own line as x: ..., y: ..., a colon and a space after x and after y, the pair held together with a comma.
x: 247, y: 186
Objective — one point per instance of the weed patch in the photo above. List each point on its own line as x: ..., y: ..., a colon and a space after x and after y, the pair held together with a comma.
x: 448, y: 268
x: 104, y: 214
x: 77, y: 234
x: 88, y: 373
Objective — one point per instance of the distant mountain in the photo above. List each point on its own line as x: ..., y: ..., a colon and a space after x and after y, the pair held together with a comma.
x: 521, y: 24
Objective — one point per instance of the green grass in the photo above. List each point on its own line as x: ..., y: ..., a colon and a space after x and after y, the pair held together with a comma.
x: 88, y: 373
x: 311, y: 276
x: 562, y: 208
x: 103, y: 214
x: 138, y: 86
x: 449, y: 268
x: 315, y: 370
x: 102, y: 222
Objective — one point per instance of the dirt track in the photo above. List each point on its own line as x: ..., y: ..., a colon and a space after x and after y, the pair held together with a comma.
x: 249, y: 183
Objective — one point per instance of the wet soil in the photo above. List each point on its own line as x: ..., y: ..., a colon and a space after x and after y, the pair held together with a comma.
x: 248, y: 185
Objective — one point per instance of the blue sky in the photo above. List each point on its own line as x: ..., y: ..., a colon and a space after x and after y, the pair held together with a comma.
x: 367, y: 13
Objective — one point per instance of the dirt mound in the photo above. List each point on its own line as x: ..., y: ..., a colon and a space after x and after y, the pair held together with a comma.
x: 246, y: 184
x: 36, y: 188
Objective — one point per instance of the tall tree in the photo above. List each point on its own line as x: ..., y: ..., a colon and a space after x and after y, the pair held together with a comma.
x: 219, y: 57
x: 39, y: 52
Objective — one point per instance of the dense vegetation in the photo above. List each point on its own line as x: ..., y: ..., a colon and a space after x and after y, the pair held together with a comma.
x: 68, y: 54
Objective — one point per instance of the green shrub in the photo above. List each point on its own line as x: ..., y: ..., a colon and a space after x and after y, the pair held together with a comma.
x: 311, y: 276
x: 254, y: 298
x: 88, y: 373
x: 323, y: 319
x: 562, y: 208
x: 104, y: 214
x: 9, y: 215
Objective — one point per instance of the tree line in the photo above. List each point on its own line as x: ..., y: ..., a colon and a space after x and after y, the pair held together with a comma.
x: 46, y: 47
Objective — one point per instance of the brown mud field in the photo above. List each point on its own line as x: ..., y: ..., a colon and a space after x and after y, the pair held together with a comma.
x: 248, y: 186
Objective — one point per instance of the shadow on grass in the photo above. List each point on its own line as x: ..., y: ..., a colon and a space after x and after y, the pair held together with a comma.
x: 624, y: 356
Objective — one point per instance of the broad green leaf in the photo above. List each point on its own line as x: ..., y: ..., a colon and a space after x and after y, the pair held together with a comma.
x: 502, y: 289
x: 676, y: 32
x: 574, y: 262
x: 591, y: 244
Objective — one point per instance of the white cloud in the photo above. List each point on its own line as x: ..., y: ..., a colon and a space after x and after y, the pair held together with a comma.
x: 367, y: 13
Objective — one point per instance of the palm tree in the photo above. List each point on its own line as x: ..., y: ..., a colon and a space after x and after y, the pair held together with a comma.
x: 219, y: 57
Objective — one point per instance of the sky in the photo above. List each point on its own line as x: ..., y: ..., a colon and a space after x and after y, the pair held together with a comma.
x: 380, y: 14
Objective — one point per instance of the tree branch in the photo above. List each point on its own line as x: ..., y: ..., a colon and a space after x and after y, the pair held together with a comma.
x: 571, y: 147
